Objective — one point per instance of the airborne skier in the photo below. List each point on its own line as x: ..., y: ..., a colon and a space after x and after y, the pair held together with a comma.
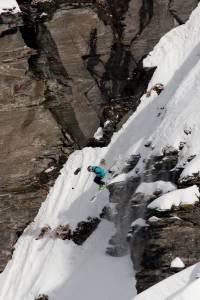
x: 100, y: 174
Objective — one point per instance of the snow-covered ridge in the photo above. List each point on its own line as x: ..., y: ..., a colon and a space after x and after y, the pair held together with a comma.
x: 9, y: 6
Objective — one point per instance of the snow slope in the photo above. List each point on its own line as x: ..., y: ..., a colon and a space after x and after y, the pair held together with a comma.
x: 64, y: 270
x: 6, y: 5
x: 60, y: 268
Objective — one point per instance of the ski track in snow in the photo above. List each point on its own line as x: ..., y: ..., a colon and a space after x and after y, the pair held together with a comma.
x: 62, y: 269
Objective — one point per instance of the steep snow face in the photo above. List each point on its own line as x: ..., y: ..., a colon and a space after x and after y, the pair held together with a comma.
x: 9, y: 5
x: 64, y: 270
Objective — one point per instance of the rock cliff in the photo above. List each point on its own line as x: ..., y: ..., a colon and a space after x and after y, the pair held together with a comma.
x: 68, y: 66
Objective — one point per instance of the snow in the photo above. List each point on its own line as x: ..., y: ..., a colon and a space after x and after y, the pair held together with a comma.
x: 154, y: 219
x: 64, y: 270
x: 149, y: 188
x: 177, y: 263
x: 6, y: 5
x: 49, y: 169
x: 185, y: 196
x: 99, y: 133
x: 120, y: 178
x: 192, y: 168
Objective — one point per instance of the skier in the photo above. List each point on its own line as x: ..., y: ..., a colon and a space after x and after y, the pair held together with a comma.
x: 100, y: 174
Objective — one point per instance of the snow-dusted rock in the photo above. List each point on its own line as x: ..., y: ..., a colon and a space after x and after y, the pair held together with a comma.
x: 98, y: 134
x: 175, y: 198
x: 177, y: 263
x: 191, y: 173
x: 139, y: 223
x: 153, y: 219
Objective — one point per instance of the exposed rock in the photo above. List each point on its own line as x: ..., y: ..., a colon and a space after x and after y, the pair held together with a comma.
x: 164, y: 235
x: 106, y: 213
x: 153, y: 247
x: 179, y: 10
x: 131, y: 163
x: 63, y: 232
x: 165, y: 239
x: 84, y: 229
x: 190, y: 180
x: 158, y: 88
x: 43, y: 232
x: 42, y: 297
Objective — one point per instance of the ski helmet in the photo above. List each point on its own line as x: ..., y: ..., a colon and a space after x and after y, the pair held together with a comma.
x: 89, y: 168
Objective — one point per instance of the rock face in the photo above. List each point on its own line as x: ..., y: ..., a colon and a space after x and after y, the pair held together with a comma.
x: 64, y: 64
x: 166, y: 239
x: 154, y: 238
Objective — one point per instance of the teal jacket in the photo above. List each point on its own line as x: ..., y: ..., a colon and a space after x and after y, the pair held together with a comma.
x: 100, y: 172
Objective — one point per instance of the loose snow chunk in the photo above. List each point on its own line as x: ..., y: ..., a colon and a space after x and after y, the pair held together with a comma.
x: 154, y: 219
x: 139, y: 222
x: 6, y: 5
x: 98, y: 134
x: 193, y: 167
x: 177, y: 263
x: 149, y: 188
x: 175, y: 198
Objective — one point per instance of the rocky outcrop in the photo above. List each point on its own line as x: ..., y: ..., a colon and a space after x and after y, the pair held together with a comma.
x: 64, y: 66
x: 164, y: 240
x: 42, y: 297
x: 154, y: 238
x: 83, y: 230
x: 32, y: 142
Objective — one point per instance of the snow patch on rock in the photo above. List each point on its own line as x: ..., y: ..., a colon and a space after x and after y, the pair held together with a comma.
x: 186, y: 196
x: 9, y: 6
x: 177, y: 263
x: 139, y: 222
x: 149, y: 188
x: 191, y: 169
